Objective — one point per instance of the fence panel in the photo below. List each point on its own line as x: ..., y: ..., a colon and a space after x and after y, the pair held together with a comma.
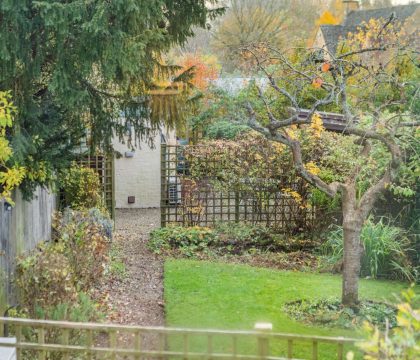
x: 22, y: 227
x: 42, y: 339
x: 188, y: 200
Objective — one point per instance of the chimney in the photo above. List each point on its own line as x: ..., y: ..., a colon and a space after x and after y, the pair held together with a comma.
x: 351, y: 5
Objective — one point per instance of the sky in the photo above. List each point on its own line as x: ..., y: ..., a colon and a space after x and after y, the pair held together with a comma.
x: 398, y: 2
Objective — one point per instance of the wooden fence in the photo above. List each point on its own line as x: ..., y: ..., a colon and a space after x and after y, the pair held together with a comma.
x: 41, y: 340
x: 188, y: 201
x: 22, y: 227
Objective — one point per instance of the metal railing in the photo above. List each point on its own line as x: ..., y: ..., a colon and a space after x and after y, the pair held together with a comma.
x: 44, y: 339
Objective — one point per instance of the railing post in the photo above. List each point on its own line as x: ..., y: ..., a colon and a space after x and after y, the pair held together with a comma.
x: 137, y: 344
x: 315, y: 350
x: 42, y: 355
x: 263, y: 340
x: 113, y: 344
x: 289, y: 349
x: 65, y: 334
x: 18, y: 341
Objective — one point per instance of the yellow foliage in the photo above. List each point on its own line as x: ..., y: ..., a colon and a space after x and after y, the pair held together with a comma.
x: 40, y: 174
x: 291, y: 132
x: 317, y: 125
x: 294, y: 194
x: 278, y: 148
x: 5, y: 150
x: 402, y: 342
x: 10, y: 176
x: 312, y: 168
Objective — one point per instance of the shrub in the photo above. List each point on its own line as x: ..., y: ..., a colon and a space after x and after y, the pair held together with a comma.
x: 331, y: 313
x: 82, y: 309
x: 225, y: 238
x: 187, y: 240
x: 225, y: 129
x: 244, y: 235
x: 85, y: 239
x: 45, y: 278
x: 81, y: 188
x: 103, y: 221
x: 385, y: 252
x: 54, y: 272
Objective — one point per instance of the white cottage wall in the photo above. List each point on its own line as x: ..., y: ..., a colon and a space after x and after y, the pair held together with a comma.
x: 139, y: 175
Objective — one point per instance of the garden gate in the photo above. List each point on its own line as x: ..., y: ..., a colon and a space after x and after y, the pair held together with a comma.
x: 190, y: 200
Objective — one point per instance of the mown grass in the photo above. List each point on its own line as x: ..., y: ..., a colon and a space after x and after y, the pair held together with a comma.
x: 226, y: 296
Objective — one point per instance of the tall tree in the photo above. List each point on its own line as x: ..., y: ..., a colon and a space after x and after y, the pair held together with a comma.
x: 375, y: 83
x: 249, y: 22
x: 276, y: 22
x: 77, y: 64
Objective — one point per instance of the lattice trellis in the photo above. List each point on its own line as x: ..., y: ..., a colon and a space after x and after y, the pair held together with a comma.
x: 190, y: 201
x: 104, y: 167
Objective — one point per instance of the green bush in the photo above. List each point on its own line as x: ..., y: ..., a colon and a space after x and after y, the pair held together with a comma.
x: 82, y: 309
x: 81, y: 188
x: 386, y: 250
x: 244, y: 235
x: 225, y: 129
x: 224, y: 238
x: 331, y: 313
x: 187, y: 239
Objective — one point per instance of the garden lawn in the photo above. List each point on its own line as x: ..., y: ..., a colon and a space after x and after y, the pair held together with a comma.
x: 224, y: 296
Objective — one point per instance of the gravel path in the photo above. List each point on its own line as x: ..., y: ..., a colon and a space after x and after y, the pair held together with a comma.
x: 136, y: 299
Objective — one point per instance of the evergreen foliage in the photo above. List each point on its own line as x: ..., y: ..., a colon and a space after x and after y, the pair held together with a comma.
x: 74, y: 65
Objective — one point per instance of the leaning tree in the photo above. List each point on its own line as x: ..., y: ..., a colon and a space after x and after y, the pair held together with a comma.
x: 373, y: 81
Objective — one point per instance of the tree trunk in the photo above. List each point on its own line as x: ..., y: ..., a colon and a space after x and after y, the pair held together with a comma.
x: 352, y: 228
x: 351, y: 263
